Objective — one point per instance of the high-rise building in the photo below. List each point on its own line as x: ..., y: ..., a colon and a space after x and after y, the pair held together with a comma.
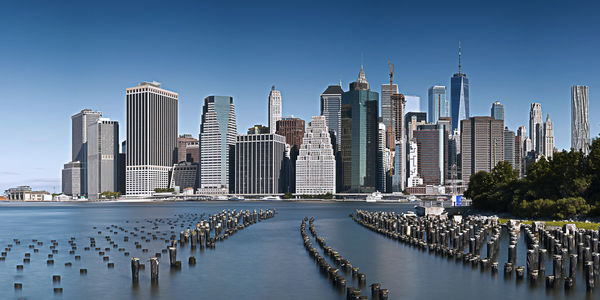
x: 580, y: 122
x: 274, y: 109
x: 438, y: 105
x: 413, y: 165
x: 315, y: 166
x: 103, y: 158
x: 359, y: 138
x: 386, y: 103
x: 383, y: 166
x: 497, y: 111
x: 80, y: 123
x: 518, y: 157
x: 71, y: 179
x: 413, y: 119
x: 293, y: 131
x: 217, y: 141
x: 459, y: 95
x: 535, y: 127
x: 432, y: 142
x: 151, y: 137
x: 509, y: 147
x: 399, y: 157
x: 188, y: 148
x: 258, y: 163
x: 548, y: 149
x: 185, y: 175
x: 398, y: 112
x: 331, y: 108
x: 413, y: 103
x: 482, y: 145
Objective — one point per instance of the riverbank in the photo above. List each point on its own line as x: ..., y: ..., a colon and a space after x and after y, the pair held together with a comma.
x: 583, y: 225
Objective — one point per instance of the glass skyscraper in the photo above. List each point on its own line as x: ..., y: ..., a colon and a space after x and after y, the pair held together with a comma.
x: 497, y: 111
x: 359, y: 137
x: 459, y: 96
x: 438, y: 106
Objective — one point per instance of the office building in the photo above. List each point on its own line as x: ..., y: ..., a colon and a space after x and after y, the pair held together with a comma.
x: 413, y: 165
x: 331, y: 108
x: 315, y: 166
x: 293, y: 131
x: 509, y: 146
x: 274, y: 109
x: 185, y: 175
x: 399, y: 143
x: 459, y: 95
x: 151, y: 137
x: 518, y: 157
x: 217, y: 141
x: 383, y: 159
x: 258, y: 163
x: 535, y: 127
x: 413, y: 119
x: 497, y: 111
x: 386, y: 103
x: 548, y: 149
x: 103, y: 158
x: 359, y: 138
x: 580, y: 122
x: 482, y: 145
x: 71, y: 179
x: 432, y: 142
x: 413, y: 103
x: 188, y: 149
x: 438, y: 106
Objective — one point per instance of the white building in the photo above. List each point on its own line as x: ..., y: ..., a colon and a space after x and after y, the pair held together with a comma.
x: 315, y: 166
x: 580, y: 122
x: 548, y: 138
x: 151, y: 137
x: 217, y: 141
x: 536, y: 127
x: 413, y: 170
x: 274, y: 109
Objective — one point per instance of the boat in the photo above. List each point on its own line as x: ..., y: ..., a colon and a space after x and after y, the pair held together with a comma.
x: 412, y: 198
x: 271, y: 198
x: 377, y: 196
x: 237, y: 198
x: 221, y: 198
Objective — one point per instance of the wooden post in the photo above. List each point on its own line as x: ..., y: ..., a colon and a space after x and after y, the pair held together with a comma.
x: 135, y: 269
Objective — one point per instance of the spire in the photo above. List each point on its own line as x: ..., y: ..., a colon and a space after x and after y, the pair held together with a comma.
x: 459, y: 55
x: 361, y: 75
x: 547, y: 117
x: 273, y: 88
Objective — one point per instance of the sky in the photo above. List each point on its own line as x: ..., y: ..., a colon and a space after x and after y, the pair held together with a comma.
x: 59, y: 57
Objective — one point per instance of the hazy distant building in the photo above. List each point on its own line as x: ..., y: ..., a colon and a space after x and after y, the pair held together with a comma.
x: 497, y: 111
x: 331, y: 108
x: 536, y: 127
x: 258, y: 163
x: 217, y: 141
x: 548, y: 148
x: 438, y: 106
x: 258, y: 129
x: 151, y: 137
x: 274, y: 109
x: 103, y: 158
x: 413, y: 103
x: 185, y: 175
x: 482, y: 145
x: 580, y: 123
x: 359, y: 137
x: 459, y: 95
x: 71, y: 179
x: 315, y: 166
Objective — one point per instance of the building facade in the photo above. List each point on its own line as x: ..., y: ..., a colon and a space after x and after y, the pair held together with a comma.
x: 359, y: 137
x: 386, y: 103
x: 258, y: 163
x: 151, y: 137
x: 315, y: 166
x: 535, y: 127
x: 71, y: 179
x: 188, y: 149
x: 217, y: 142
x: 185, y: 175
x: 482, y: 145
x: 432, y: 140
x: 509, y: 147
x: 399, y: 142
x: 497, y: 110
x: 580, y: 122
x: 548, y: 149
x: 438, y: 106
x: 274, y: 109
x: 331, y: 108
x: 103, y: 158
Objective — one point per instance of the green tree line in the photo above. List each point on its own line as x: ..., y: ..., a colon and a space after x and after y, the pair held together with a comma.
x: 566, y: 186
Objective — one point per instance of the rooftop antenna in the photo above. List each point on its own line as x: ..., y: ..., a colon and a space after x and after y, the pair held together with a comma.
x: 391, y: 136
x: 459, y: 55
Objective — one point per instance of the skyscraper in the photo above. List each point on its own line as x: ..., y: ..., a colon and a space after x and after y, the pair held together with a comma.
x: 359, y: 136
x: 331, y: 108
x: 459, y: 97
x: 274, y: 109
x: 293, y: 131
x: 548, y: 149
x: 103, y: 158
x: 399, y: 158
x: 258, y: 163
x: 482, y: 145
x: 509, y: 147
x: 438, y: 105
x: 497, y: 111
x: 217, y: 141
x: 151, y: 137
x: 386, y: 103
x: 580, y: 122
x: 315, y: 166
x: 71, y: 179
x: 413, y: 103
x: 382, y: 168
x: 432, y: 142
x: 535, y: 127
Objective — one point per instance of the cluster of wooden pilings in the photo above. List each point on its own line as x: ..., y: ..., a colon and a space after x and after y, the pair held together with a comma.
x: 337, y: 279
x: 463, y: 238
x: 144, y: 236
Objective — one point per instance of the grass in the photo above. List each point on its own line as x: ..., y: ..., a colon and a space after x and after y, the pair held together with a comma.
x: 583, y: 225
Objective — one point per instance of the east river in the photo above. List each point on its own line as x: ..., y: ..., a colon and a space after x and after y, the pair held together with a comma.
x: 266, y: 260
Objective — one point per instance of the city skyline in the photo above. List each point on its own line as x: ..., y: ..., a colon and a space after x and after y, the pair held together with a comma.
x: 60, y: 80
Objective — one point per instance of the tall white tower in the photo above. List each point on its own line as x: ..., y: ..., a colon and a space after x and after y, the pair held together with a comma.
x: 580, y: 122
x: 274, y: 109
x: 548, y: 138
x: 536, y: 127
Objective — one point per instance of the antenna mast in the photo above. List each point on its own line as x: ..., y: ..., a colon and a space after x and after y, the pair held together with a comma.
x: 459, y: 55
x: 391, y: 137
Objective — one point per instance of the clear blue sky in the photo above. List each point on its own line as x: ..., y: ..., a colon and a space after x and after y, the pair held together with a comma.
x: 58, y: 57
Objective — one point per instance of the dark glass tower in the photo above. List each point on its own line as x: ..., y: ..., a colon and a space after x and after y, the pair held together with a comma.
x: 359, y: 137
x: 459, y: 97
